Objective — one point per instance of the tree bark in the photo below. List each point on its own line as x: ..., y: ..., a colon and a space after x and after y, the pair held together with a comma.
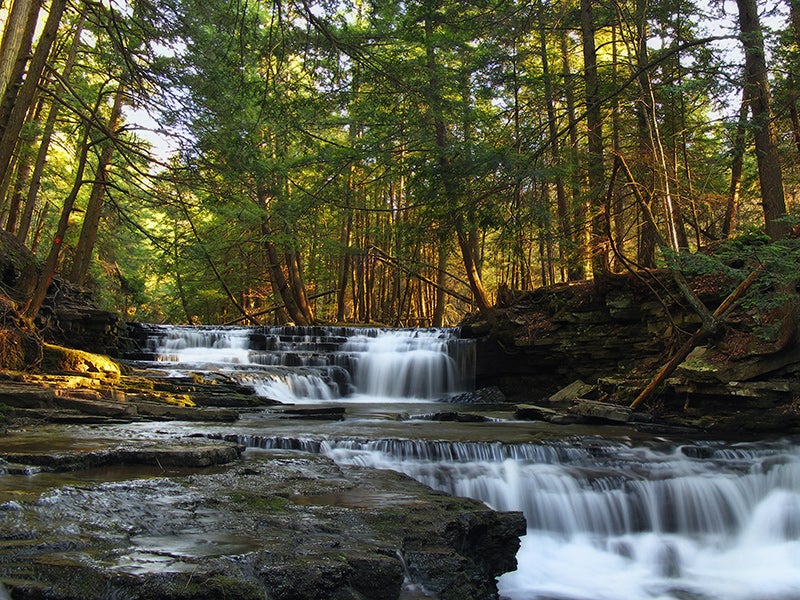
x: 594, y: 125
x: 94, y: 208
x: 15, y: 48
x: 28, y: 90
x: 47, y: 134
x: 737, y: 164
x: 770, y: 175
x: 566, y: 244
x: 51, y: 262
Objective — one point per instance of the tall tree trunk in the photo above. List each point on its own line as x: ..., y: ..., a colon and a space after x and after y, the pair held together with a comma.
x: 344, y: 267
x: 280, y: 283
x: 648, y: 102
x: 15, y: 51
x: 794, y: 96
x: 594, y: 125
x: 441, y: 281
x: 47, y: 134
x: 28, y: 90
x: 737, y: 164
x: 566, y: 243
x: 51, y: 262
x: 770, y: 175
x: 94, y: 208
x: 618, y: 208
x: 579, y: 235
x: 468, y: 250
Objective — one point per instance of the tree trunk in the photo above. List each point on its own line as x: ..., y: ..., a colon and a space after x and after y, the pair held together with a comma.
x: 441, y: 281
x: 594, y: 125
x: 51, y: 263
x: 566, y: 243
x: 737, y: 164
x: 47, y: 134
x: 94, y: 208
x: 578, y: 234
x: 15, y: 50
x: 28, y: 90
x: 468, y: 254
x: 769, y: 168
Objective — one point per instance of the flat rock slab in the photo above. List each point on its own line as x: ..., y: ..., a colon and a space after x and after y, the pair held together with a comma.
x: 601, y: 411
x: 278, y: 525
x: 187, y: 452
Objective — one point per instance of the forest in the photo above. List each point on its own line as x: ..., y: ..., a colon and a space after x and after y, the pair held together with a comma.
x: 393, y: 162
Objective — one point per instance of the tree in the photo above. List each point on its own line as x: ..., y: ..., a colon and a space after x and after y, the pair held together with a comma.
x: 757, y: 85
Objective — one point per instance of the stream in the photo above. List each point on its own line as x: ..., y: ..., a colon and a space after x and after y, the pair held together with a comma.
x: 615, y: 516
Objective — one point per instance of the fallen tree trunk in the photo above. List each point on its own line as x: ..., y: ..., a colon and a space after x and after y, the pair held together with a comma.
x: 701, y: 334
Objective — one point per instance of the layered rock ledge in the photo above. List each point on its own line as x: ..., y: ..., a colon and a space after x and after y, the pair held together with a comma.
x: 271, y: 525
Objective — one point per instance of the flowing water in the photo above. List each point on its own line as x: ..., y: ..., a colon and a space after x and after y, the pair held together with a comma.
x: 612, y: 518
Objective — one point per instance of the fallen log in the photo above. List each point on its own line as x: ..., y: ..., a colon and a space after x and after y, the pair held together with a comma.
x: 693, y: 341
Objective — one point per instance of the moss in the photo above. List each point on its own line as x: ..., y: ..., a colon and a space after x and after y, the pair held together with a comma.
x: 220, y: 587
x: 58, y: 358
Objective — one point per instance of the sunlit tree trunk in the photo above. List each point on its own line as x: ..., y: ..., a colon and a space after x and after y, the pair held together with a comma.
x: 15, y: 50
x: 594, y: 125
x: 27, y: 92
x: 94, y: 208
x: 47, y: 134
x: 51, y: 262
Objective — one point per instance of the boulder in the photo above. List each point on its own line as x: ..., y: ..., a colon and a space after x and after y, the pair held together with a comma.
x: 601, y: 411
x: 575, y: 390
x: 485, y: 395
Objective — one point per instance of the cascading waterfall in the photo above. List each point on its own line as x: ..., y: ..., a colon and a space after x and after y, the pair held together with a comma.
x: 292, y: 364
x: 611, y: 521
x: 606, y: 520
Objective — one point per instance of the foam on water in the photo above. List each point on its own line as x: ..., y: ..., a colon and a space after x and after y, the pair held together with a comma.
x: 313, y: 364
x: 615, y: 522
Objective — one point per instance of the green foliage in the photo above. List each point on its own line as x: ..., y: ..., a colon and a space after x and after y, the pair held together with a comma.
x: 736, y: 258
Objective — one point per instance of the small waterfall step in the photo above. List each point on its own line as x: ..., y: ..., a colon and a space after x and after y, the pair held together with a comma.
x: 291, y: 364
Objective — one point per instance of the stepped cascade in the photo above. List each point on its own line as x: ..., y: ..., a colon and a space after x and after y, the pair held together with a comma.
x: 611, y: 521
x: 292, y: 364
x: 607, y: 519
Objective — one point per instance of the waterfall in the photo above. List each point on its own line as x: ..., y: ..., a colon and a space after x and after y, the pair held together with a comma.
x: 607, y: 519
x: 615, y: 521
x: 292, y: 364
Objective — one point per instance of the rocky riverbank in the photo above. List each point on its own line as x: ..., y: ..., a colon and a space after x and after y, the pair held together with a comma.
x: 602, y: 342
x: 190, y: 518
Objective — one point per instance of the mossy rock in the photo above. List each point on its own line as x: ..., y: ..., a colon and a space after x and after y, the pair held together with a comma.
x: 60, y: 359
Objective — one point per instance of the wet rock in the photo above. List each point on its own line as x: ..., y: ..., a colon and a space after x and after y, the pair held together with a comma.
x: 576, y: 389
x: 453, y: 417
x: 484, y: 395
x: 601, y: 411
x: 325, y: 413
x: 277, y: 526
x: 531, y: 412
x: 190, y: 452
